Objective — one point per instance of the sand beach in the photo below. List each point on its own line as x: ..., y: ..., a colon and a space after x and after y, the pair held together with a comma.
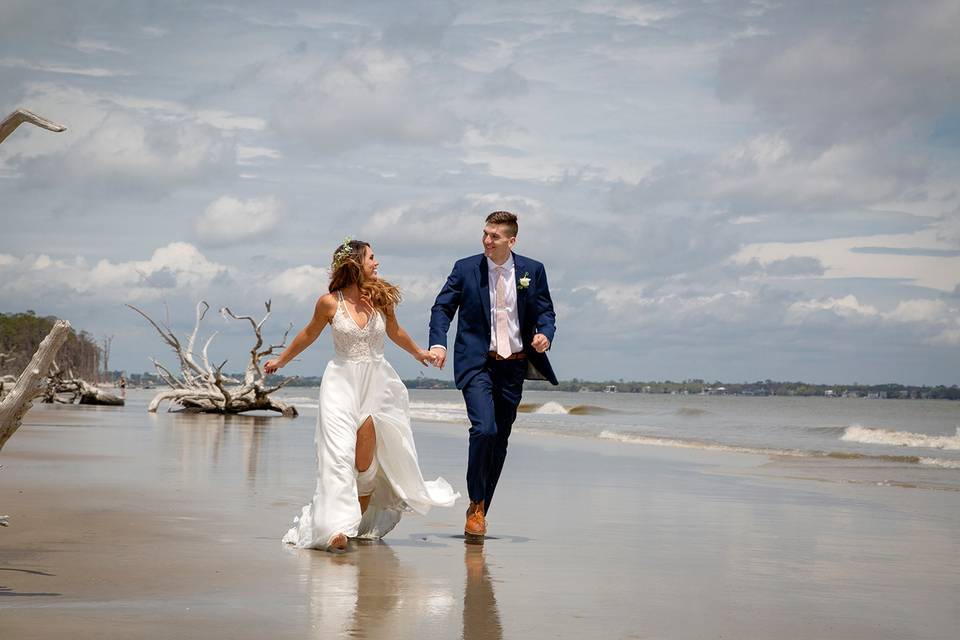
x: 125, y: 525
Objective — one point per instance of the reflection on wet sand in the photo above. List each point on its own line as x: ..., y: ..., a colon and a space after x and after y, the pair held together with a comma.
x: 201, y: 439
x: 481, y: 617
x: 356, y: 594
x: 368, y: 592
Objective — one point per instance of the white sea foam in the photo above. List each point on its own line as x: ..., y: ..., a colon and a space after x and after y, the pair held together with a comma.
x: 872, y: 435
x: 940, y: 462
x: 697, y: 444
x: 793, y: 453
x: 438, y: 411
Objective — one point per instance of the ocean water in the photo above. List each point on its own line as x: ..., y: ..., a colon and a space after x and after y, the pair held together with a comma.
x: 912, y: 443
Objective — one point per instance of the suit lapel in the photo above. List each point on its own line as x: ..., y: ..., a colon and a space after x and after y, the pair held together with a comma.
x: 519, y: 268
x: 483, y: 276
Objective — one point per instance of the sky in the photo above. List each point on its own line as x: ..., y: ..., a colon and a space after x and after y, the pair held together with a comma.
x: 719, y: 189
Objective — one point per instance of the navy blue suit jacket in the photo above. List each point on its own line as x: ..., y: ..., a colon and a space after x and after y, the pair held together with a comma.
x: 467, y: 294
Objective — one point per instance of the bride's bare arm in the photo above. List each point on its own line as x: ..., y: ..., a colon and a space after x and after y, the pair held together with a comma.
x: 403, y: 340
x: 323, y: 313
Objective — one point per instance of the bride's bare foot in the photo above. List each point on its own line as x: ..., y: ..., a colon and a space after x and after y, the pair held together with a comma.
x: 338, y: 542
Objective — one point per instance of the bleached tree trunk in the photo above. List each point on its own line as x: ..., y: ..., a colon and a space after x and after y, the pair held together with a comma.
x: 16, y: 403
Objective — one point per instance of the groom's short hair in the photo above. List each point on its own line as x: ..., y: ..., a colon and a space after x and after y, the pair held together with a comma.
x: 507, y: 219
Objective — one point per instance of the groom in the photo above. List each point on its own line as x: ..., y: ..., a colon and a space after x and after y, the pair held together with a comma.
x: 505, y: 326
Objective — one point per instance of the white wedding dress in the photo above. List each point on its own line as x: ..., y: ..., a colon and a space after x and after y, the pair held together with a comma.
x: 358, y: 383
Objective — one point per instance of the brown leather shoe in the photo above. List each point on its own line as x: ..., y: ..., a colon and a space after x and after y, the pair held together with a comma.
x: 476, y: 527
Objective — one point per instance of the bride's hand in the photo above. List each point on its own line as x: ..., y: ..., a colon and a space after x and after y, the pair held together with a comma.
x: 425, y: 358
x: 271, y: 366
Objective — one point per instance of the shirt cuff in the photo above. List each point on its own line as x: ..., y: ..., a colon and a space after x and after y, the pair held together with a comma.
x: 437, y: 346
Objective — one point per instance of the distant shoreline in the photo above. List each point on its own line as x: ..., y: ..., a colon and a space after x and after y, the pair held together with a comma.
x: 701, y: 387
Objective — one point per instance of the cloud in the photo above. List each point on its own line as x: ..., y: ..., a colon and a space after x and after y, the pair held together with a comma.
x: 933, y: 320
x: 935, y: 269
x: 503, y: 83
x: 121, y: 141
x: 228, y: 220
x: 178, y: 268
x: 92, y: 46
x: 146, y: 152
x: 303, y: 283
x: 923, y: 310
x: 446, y: 222
x: 768, y: 171
x: 634, y: 302
x: 862, y: 71
x: 255, y: 155
x: 93, y: 72
x: 847, y: 307
x: 365, y: 97
x: 793, y: 266
x: 948, y: 228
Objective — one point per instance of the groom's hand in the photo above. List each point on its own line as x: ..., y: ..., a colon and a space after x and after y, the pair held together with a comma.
x: 540, y: 343
x: 439, y: 356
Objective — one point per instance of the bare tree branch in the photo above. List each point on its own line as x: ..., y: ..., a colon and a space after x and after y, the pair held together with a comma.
x: 22, y: 116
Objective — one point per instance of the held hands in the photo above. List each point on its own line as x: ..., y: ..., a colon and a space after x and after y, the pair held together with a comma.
x: 439, y: 356
x: 426, y: 358
x: 540, y: 343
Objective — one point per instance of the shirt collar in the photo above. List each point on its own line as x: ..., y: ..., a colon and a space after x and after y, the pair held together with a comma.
x: 508, y: 265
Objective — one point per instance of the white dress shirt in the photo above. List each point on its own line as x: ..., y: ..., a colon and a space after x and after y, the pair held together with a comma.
x: 510, y: 300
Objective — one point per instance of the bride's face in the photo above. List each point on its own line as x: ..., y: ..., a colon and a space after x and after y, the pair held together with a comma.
x: 370, y: 264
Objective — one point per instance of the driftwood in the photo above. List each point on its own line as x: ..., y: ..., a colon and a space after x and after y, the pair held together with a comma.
x: 22, y: 116
x: 19, y: 400
x: 74, y: 390
x: 202, y: 387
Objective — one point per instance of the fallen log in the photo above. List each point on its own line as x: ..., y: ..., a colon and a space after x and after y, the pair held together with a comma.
x: 73, y: 390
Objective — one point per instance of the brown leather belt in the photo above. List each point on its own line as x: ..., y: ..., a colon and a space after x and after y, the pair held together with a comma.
x: 519, y: 355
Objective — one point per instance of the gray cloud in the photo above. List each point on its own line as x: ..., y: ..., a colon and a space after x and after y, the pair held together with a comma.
x: 832, y: 74
x: 368, y: 96
x: 792, y: 266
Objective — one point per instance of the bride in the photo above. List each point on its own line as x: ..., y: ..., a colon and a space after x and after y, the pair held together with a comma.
x: 367, y: 469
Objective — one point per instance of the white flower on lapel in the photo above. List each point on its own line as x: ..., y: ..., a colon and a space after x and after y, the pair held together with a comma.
x: 524, y: 282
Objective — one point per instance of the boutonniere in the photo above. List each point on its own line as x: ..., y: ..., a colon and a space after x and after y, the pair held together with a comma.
x: 524, y: 282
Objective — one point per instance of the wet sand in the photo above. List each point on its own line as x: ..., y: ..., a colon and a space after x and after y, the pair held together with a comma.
x: 127, y: 525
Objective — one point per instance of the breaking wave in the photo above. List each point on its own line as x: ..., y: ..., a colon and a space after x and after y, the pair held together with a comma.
x: 555, y: 408
x: 873, y: 435
x: 793, y: 453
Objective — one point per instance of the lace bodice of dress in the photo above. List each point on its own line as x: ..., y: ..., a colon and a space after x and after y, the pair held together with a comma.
x: 352, y: 343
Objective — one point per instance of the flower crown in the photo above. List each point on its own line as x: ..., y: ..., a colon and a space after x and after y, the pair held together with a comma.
x: 343, y: 253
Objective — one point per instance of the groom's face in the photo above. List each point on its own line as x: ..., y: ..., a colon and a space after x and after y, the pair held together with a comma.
x: 496, y: 243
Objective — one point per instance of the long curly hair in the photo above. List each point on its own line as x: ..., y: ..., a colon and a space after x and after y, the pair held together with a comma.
x: 347, y: 269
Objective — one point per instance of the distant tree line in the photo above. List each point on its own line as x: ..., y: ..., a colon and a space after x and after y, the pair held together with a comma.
x: 758, y: 388
x: 699, y: 386
x: 21, y: 333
